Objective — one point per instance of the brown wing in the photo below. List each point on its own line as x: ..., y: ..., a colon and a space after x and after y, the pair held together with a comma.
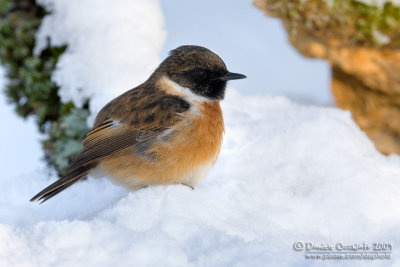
x: 105, y: 140
x: 133, y: 119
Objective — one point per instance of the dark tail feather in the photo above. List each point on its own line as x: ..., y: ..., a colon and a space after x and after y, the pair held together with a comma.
x: 63, y: 183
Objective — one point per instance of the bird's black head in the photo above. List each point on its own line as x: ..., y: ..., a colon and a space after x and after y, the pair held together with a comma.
x: 198, y: 69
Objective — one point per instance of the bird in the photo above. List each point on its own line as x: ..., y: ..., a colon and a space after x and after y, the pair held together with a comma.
x: 168, y: 130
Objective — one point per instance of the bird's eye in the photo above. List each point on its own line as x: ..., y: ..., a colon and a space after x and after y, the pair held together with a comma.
x: 201, y: 74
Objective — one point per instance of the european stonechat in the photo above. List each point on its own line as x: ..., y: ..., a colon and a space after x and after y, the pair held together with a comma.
x: 167, y: 130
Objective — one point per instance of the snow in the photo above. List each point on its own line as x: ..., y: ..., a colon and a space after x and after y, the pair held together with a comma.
x: 379, y: 3
x: 112, y: 46
x: 286, y: 172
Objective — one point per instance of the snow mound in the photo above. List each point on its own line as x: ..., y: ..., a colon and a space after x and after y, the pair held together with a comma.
x: 112, y: 46
x: 286, y: 172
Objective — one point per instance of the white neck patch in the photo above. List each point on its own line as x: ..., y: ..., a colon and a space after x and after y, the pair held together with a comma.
x: 186, y: 92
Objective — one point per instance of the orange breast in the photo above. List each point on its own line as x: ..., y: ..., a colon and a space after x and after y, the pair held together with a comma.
x: 194, y: 144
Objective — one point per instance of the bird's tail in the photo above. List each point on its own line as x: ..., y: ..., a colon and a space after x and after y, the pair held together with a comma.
x: 63, y: 183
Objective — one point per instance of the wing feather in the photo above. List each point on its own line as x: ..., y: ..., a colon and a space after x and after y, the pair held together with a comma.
x: 104, y: 142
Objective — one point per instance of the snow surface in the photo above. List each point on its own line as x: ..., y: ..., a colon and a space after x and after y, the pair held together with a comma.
x: 286, y: 172
x: 111, y: 48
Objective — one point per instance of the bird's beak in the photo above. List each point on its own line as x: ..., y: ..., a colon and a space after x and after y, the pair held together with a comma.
x: 232, y: 76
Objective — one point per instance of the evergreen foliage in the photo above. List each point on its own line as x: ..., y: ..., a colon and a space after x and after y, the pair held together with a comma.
x: 30, y: 88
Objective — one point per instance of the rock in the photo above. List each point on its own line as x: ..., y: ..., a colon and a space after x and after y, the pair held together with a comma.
x: 362, y: 45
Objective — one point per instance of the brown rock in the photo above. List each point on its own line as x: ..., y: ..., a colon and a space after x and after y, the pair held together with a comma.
x: 365, y: 78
